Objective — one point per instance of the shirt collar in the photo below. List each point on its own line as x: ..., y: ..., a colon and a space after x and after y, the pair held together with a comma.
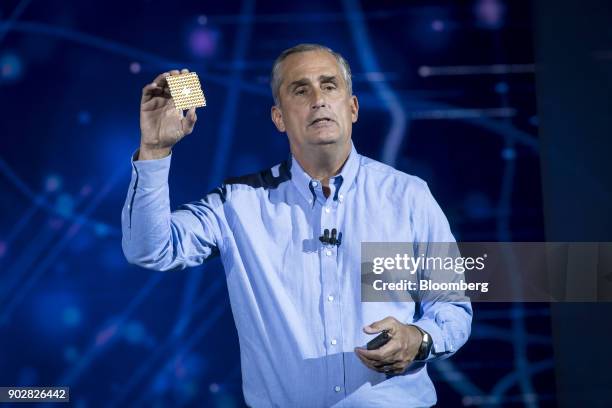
x: 305, y: 184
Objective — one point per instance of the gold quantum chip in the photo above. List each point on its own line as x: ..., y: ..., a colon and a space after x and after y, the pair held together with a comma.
x: 186, y: 91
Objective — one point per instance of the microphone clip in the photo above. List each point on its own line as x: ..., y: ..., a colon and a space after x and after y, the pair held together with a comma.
x: 334, y: 239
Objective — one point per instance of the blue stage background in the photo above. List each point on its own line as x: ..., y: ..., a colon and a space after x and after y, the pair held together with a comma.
x: 446, y: 90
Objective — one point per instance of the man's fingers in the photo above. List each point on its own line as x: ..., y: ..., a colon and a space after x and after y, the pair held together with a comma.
x: 388, y: 323
x: 368, y: 363
x: 152, y: 100
x: 153, y: 89
x: 371, y: 329
x: 397, y: 368
x: 364, y: 358
x: 188, y: 122
x: 379, y: 367
x: 374, y: 355
x: 177, y: 72
x: 160, y: 80
x: 384, y: 353
x: 387, y: 367
x: 387, y: 363
x: 159, y: 86
x: 191, y: 115
x: 154, y: 103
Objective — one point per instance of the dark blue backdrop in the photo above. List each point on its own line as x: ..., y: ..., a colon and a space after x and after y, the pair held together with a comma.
x: 446, y: 90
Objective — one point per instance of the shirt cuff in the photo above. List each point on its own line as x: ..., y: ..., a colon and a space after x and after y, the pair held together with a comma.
x: 151, y: 173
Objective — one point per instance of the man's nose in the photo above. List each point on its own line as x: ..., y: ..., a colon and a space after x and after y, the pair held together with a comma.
x: 318, y: 99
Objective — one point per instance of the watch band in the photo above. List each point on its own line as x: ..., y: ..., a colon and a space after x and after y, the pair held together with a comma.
x: 425, y: 347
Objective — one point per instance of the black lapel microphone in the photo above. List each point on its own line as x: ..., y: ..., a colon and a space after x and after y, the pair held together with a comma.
x: 334, y: 239
x: 325, y: 237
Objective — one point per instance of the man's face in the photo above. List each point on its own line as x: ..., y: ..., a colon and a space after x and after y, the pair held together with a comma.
x: 315, y: 107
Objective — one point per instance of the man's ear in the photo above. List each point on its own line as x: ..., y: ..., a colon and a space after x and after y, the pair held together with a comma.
x: 354, y: 108
x: 277, y: 118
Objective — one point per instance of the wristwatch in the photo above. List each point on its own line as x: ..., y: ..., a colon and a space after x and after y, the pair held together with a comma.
x: 425, y: 347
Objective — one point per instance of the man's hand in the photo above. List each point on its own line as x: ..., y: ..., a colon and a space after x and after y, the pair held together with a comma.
x: 161, y: 124
x: 395, y: 356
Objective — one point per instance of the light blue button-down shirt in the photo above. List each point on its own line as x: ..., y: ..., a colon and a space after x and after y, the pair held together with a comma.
x: 296, y: 302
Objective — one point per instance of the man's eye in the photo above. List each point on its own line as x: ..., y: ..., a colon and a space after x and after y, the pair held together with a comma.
x: 329, y: 87
x: 300, y: 92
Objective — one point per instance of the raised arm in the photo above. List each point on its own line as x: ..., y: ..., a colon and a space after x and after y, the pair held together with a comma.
x: 153, y: 236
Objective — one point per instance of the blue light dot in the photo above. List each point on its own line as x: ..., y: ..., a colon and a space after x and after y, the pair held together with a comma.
x: 135, y: 67
x: 84, y: 118
x: 71, y: 354
x: 64, y: 205
x: 437, y: 25
x: 71, y: 316
x: 101, y: 230
x: 490, y: 14
x: 53, y: 182
x: 134, y: 332
x: 501, y: 88
x: 508, y: 153
x: 10, y: 68
x: 203, y: 42
x: 477, y: 205
x: 424, y: 71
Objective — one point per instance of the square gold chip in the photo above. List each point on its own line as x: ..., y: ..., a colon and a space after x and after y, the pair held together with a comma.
x: 186, y: 91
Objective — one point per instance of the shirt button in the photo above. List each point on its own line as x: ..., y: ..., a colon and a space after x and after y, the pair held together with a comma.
x: 328, y: 252
x: 330, y: 298
x: 340, y: 198
x: 337, y: 388
x: 334, y: 342
x: 327, y: 209
x: 314, y: 184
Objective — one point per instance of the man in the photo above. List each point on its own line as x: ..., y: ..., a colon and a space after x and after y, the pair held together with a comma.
x: 296, y: 300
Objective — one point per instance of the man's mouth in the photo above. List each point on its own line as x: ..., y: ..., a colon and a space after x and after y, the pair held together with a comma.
x: 321, y: 121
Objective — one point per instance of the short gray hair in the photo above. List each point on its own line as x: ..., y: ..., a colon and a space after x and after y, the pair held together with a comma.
x: 275, y: 79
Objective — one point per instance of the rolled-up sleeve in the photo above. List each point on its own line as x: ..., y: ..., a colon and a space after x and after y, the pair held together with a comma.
x: 448, y: 317
x: 153, y: 237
